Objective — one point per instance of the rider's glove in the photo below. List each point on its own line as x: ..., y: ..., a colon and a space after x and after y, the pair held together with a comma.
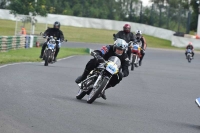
x: 99, y: 58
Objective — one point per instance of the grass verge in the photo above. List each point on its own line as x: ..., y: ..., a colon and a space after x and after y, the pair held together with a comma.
x: 32, y: 54
x: 88, y: 35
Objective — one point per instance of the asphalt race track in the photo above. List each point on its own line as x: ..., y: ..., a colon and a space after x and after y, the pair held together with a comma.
x: 158, y: 97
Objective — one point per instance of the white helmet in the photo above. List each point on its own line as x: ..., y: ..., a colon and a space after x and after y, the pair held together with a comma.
x: 139, y: 32
x: 120, y: 44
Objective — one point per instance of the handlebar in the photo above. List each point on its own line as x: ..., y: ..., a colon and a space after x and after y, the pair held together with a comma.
x: 96, y: 56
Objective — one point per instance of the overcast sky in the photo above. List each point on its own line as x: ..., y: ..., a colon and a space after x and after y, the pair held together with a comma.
x: 146, y: 2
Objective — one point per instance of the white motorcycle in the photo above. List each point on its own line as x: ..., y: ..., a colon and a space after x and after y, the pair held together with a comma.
x: 50, y: 50
x: 189, y: 55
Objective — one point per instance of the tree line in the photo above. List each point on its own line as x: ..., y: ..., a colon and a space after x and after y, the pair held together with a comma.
x: 169, y: 14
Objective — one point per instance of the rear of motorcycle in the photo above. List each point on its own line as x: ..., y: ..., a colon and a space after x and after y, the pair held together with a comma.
x: 86, y: 86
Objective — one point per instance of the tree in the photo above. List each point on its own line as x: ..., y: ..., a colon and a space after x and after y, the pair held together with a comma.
x: 195, y: 8
x: 3, y: 4
x: 28, y: 6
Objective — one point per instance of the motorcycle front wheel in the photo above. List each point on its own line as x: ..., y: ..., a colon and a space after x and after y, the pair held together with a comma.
x: 189, y: 58
x: 96, y: 92
x: 48, y: 54
x: 132, y: 63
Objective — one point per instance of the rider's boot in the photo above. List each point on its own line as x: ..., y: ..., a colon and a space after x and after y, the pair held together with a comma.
x: 103, y: 95
x: 140, y: 63
x: 82, y: 77
x: 56, y: 53
x: 42, y: 52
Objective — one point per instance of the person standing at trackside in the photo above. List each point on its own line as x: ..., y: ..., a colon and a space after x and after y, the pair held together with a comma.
x: 118, y: 49
x: 126, y: 35
x: 141, y: 40
x: 189, y: 46
x: 55, y: 32
x: 23, y: 31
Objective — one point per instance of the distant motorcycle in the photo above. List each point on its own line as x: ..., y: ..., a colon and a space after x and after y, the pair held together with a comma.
x: 135, y: 52
x: 98, y: 79
x: 189, y: 55
x: 50, y: 50
x: 197, y: 101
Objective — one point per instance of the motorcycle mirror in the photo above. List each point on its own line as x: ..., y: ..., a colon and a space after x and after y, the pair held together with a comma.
x: 66, y: 40
x: 114, y: 35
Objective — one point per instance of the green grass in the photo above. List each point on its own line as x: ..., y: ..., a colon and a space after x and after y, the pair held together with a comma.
x: 78, y: 34
x: 32, y: 54
x: 73, y: 34
x: 159, y: 43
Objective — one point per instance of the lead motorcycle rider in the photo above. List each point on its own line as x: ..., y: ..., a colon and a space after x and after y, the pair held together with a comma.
x: 118, y: 49
x: 55, y: 32
x: 127, y: 35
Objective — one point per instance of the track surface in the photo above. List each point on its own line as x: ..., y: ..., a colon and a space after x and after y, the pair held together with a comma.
x: 157, y: 97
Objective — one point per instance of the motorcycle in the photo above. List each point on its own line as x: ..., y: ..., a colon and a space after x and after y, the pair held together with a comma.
x: 135, y: 52
x: 98, y: 79
x: 189, y: 55
x: 50, y: 50
x: 197, y: 101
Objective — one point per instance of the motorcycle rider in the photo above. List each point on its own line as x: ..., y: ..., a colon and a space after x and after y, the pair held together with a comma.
x: 189, y: 46
x: 140, y: 39
x: 126, y: 35
x: 118, y: 49
x: 55, y: 32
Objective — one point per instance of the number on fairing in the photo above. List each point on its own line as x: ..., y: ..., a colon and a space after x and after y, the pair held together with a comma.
x: 51, y: 46
x: 111, y: 68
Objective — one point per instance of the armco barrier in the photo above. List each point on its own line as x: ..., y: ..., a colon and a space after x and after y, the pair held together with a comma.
x: 16, y: 42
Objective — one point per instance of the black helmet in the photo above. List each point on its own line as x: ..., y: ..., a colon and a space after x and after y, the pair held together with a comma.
x: 56, y: 25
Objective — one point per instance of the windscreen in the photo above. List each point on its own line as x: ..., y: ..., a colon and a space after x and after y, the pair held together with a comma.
x: 116, y: 60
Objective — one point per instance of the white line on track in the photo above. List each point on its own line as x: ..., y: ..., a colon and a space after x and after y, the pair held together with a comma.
x: 12, y: 64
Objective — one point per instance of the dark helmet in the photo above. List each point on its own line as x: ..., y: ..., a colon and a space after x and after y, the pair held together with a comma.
x: 127, y: 28
x: 56, y: 25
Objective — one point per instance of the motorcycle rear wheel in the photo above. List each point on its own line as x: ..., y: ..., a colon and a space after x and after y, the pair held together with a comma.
x: 80, y: 94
